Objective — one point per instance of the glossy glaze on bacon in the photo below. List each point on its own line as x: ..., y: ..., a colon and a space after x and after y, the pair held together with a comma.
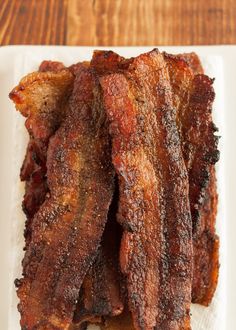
x: 156, y: 248
x: 67, y: 229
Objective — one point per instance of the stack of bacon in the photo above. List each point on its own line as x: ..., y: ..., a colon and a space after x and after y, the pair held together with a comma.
x: 120, y: 193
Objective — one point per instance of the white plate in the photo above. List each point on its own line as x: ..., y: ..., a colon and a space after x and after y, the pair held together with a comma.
x: 16, y: 61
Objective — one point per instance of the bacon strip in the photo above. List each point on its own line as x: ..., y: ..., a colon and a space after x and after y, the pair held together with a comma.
x: 156, y: 248
x: 101, y: 292
x: 41, y: 97
x: 67, y: 229
x: 104, y: 269
x: 206, y: 257
x: 194, y: 96
x: 206, y: 249
x: 33, y: 172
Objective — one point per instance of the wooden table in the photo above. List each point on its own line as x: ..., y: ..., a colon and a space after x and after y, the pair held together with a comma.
x: 117, y: 22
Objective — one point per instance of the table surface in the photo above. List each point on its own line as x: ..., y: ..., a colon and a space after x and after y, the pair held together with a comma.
x: 117, y: 22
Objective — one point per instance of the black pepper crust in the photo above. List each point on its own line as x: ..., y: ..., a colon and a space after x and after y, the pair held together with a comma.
x: 194, y: 96
x: 67, y: 229
x: 185, y: 94
x: 156, y: 250
x: 42, y: 97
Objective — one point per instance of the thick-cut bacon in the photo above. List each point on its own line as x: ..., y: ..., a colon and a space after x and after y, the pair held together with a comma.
x: 206, y: 242
x: 193, y: 98
x: 204, y: 152
x: 156, y: 248
x: 206, y: 248
x: 41, y: 97
x: 33, y: 172
x: 101, y: 292
x: 67, y: 229
x: 145, y: 98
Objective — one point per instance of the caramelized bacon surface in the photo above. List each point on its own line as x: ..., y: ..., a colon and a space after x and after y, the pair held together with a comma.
x: 156, y: 248
x: 101, y: 298
x: 201, y: 152
x: 192, y: 61
x: 163, y: 150
x: 193, y: 98
x: 52, y: 66
x: 101, y: 292
x: 67, y: 229
x: 33, y: 172
x: 41, y: 97
x: 206, y: 248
